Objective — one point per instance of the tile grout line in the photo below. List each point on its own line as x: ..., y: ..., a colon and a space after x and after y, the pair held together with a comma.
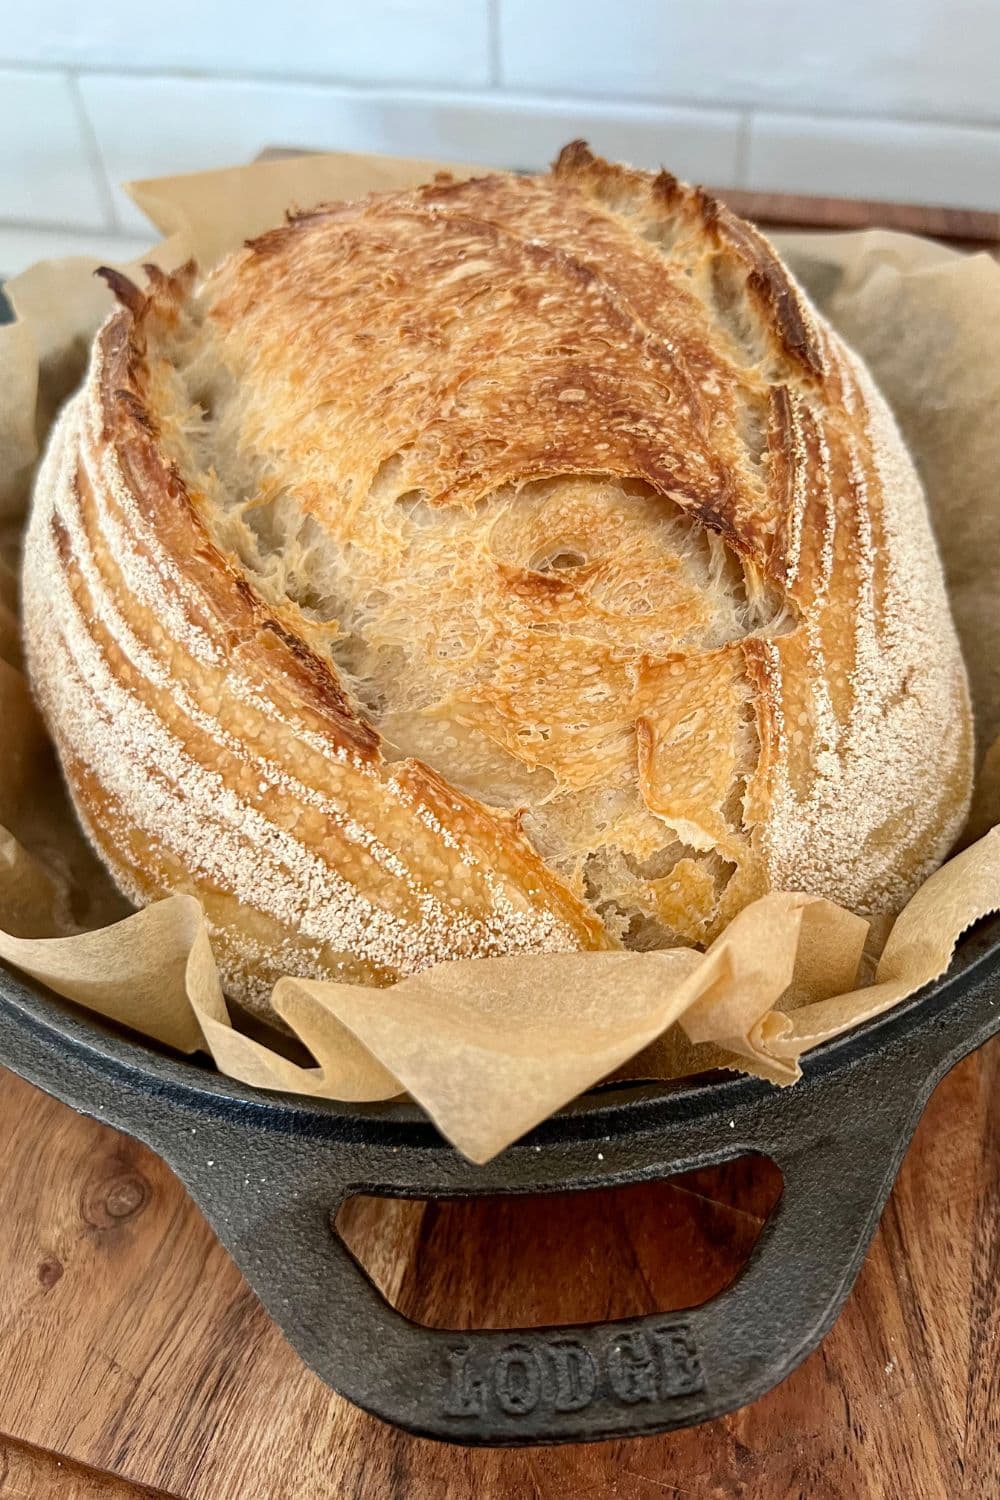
x: 93, y: 153
x: 511, y: 93
x: 493, y: 22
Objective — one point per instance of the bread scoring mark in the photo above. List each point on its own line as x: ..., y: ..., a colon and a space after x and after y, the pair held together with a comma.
x: 527, y: 264
x: 868, y: 824
x: 75, y: 549
x: 866, y: 635
x: 175, y: 799
x: 825, y: 726
x: 134, y: 760
x: 170, y: 796
x: 149, y: 570
x: 156, y: 488
x: 790, y: 465
x: 769, y: 283
x: 745, y: 252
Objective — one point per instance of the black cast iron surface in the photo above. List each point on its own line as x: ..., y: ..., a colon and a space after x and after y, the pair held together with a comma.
x: 269, y: 1172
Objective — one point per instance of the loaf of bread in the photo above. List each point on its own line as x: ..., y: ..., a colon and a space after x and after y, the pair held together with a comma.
x: 511, y: 565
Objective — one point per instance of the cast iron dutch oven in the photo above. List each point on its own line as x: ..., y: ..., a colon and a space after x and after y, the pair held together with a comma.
x: 269, y: 1172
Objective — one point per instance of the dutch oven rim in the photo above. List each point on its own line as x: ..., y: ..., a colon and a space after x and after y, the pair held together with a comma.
x: 611, y: 1107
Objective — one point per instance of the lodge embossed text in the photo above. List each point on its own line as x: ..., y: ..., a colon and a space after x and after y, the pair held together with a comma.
x: 548, y: 1372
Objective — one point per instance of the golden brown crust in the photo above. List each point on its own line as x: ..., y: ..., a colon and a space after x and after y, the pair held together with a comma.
x: 768, y: 282
x: 512, y: 563
x: 163, y: 501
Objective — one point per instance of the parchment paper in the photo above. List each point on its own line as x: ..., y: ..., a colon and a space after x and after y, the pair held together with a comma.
x: 490, y: 1047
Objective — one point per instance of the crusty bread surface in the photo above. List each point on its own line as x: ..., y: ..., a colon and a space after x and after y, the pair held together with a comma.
x: 510, y: 565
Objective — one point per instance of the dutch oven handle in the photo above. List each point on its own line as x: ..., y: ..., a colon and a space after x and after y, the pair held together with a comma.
x: 838, y: 1139
x: 270, y: 1191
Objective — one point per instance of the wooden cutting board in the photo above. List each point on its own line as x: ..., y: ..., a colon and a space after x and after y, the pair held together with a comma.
x: 134, y: 1360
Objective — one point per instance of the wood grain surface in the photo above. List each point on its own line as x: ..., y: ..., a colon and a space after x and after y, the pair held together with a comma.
x: 130, y: 1345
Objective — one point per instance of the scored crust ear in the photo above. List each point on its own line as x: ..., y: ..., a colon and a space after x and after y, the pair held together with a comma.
x: 164, y: 286
x: 123, y: 290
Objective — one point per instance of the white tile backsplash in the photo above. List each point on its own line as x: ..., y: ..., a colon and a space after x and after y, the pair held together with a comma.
x: 46, y: 176
x: 398, y: 41
x: 875, y: 98
x: 147, y: 126
x: 882, y: 57
x: 947, y: 164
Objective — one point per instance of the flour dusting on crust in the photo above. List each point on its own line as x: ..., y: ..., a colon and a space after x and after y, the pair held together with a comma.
x: 516, y: 565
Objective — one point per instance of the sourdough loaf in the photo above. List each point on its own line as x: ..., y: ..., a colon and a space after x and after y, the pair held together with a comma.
x: 510, y: 565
